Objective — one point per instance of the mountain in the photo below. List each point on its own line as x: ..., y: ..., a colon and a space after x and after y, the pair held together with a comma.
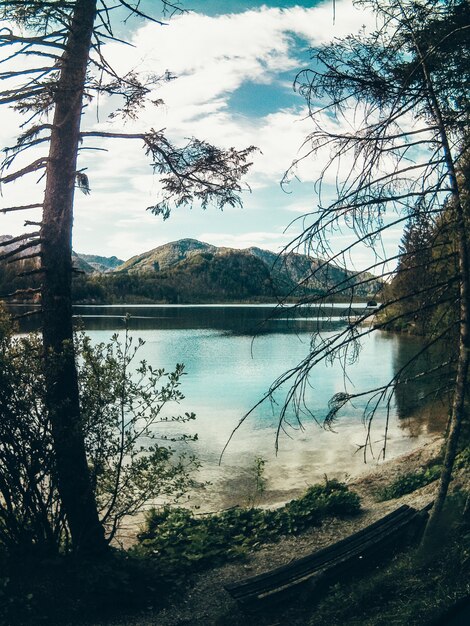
x: 195, y: 271
x: 168, y: 255
x: 191, y: 271
x: 79, y: 263
x: 87, y: 263
x: 101, y: 264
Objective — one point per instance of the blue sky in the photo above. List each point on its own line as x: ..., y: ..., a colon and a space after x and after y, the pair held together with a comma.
x: 235, y: 63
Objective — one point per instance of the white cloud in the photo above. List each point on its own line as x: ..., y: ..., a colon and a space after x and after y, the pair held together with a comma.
x: 263, y: 239
x: 213, y: 57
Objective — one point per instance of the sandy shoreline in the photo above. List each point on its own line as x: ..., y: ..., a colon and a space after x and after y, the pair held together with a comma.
x: 207, y: 601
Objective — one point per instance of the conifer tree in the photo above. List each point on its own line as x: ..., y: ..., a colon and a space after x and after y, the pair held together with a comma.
x: 62, y: 46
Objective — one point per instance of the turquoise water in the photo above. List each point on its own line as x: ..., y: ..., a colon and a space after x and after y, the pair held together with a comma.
x: 229, y: 368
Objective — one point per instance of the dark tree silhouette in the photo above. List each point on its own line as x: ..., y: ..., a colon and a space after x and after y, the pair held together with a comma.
x: 63, y: 67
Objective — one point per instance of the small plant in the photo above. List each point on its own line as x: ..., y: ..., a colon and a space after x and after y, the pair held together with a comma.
x: 259, y: 480
x: 183, y: 542
x: 407, y: 483
x: 124, y: 407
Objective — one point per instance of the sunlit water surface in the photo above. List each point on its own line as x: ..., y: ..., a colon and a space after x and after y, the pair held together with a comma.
x: 232, y: 355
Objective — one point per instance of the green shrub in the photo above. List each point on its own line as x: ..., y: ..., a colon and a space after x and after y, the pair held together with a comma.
x: 184, y: 542
x: 462, y: 459
x: 125, y: 411
x: 407, y: 483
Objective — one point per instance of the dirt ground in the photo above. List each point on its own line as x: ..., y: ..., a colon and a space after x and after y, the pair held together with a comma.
x: 207, y: 601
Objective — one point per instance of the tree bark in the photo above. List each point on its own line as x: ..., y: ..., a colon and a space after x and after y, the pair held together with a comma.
x: 56, y: 248
x: 463, y: 359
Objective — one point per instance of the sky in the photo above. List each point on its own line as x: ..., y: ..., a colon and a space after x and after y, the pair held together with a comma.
x: 235, y: 63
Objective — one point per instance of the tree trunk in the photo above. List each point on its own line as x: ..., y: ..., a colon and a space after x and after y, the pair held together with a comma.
x: 463, y: 358
x: 56, y: 249
x: 458, y: 404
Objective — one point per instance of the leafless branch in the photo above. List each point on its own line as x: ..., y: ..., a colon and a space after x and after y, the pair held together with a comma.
x: 21, y: 208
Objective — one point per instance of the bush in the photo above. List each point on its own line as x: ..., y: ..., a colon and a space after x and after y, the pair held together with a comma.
x: 122, y: 406
x: 407, y: 483
x: 184, y: 542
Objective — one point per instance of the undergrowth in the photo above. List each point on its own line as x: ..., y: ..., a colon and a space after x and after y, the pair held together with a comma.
x: 182, y: 541
x: 411, y: 481
x: 69, y: 590
x: 415, y: 588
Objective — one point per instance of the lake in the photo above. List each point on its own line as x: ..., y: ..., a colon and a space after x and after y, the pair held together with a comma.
x: 232, y: 354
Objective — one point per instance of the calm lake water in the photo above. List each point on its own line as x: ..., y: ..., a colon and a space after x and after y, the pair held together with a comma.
x: 231, y: 355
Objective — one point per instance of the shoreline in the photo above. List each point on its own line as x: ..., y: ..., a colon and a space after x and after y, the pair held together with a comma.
x: 206, y: 602
x: 381, y: 472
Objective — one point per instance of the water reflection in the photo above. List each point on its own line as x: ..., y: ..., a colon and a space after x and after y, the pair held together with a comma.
x: 228, y: 371
x: 242, y: 319
x: 425, y: 392
x: 237, y: 319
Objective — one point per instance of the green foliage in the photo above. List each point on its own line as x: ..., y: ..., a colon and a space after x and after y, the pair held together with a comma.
x: 421, y: 297
x: 183, y: 542
x: 30, y: 514
x: 407, y: 483
x: 259, y: 481
x: 462, y: 460
x: 130, y: 460
x: 200, y: 278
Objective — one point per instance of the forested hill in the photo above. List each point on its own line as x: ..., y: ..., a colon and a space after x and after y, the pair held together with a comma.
x: 192, y: 271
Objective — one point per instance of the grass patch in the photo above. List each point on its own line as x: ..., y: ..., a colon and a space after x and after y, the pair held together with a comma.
x: 184, y: 542
x: 411, y: 481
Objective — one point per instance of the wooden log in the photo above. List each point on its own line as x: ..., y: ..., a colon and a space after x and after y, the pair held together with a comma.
x: 330, y: 563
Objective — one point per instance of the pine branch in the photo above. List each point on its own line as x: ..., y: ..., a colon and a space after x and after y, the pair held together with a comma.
x: 38, y: 41
x: 38, y: 270
x: 16, y: 251
x: 26, y: 257
x: 30, y: 291
x: 31, y: 70
x: 135, y: 11
x: 27, y: 314
x: 15, y: 95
